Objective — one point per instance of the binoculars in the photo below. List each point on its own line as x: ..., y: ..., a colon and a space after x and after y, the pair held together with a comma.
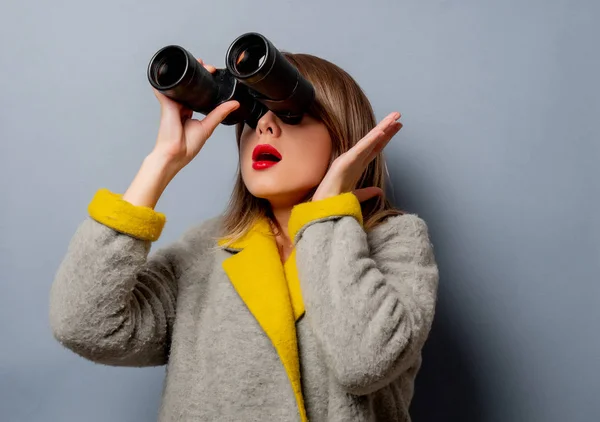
x: 257, y: 75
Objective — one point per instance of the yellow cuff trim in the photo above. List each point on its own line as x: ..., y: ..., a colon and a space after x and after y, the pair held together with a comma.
x: 140, y: 222
x: 345, y: 204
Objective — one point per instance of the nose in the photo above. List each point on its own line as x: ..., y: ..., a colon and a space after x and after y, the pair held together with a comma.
x: 268, y: 124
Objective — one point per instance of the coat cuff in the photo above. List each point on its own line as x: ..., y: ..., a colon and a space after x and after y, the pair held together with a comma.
x: 141, y: 222
x: 307, y: 213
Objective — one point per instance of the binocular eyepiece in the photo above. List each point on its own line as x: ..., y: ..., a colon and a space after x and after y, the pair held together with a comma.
x: 257, y: 75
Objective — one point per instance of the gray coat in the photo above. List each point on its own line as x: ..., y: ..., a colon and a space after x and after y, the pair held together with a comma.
x: 334, y: 335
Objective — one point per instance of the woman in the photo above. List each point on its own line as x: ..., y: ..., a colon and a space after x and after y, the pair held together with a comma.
x: 310, y: 298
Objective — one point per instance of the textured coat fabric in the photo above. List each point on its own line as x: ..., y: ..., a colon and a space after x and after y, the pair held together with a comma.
x: 335, y: 334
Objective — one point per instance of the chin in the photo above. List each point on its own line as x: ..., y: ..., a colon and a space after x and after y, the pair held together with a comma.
x: 263, y: 187
x: 278, y: 186
x: 279, y: 195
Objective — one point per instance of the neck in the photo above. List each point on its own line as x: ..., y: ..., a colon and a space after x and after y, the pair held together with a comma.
x: 282, y: 216
x: 281, y: 208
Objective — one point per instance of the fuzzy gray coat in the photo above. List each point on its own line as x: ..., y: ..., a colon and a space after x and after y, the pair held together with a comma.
x: 367, y: 304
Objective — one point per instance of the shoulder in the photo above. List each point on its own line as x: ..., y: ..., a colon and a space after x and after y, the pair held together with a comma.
x: 194, y: 241
x: 401, y: 236
x: 203, y: 232
x: 405, y: 226
x: 403, y: 239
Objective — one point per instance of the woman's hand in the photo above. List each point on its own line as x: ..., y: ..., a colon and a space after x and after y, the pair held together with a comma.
x: 179, y: 140
x: 180, y: 137
x: 346, y: 170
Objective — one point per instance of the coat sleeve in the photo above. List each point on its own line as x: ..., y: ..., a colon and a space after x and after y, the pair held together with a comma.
x: 370, y: 298
x: 109, y: 301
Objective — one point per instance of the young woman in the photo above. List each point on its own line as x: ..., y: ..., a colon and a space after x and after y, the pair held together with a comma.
x: 310, y: 298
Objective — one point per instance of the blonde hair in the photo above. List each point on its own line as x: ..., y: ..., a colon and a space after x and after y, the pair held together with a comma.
x: 345, y: 110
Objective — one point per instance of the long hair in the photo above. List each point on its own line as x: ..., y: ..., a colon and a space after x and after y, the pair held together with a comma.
x: 343, y: 107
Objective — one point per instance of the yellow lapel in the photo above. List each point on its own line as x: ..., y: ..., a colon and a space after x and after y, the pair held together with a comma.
x: 259, y: 278
x: 291, y: 275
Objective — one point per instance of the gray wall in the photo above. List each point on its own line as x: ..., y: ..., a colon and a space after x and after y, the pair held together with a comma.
x: 499, y: 154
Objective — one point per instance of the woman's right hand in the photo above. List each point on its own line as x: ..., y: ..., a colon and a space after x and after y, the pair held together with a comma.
x: 179, y: 140
x: 180, y: 137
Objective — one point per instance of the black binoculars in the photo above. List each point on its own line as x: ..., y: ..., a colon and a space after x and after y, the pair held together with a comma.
x: 257, y: 75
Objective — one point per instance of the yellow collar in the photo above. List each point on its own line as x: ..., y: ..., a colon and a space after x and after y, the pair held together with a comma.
x: 271, y: 291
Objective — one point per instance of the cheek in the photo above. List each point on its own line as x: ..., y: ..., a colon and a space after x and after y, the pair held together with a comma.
x: 246, y: 142
x: 322, y: 157
x: 245, y: 152
x: 322, y: 148
x: 311, y: 160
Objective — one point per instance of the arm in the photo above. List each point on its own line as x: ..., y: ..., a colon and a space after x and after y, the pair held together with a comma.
x: 109, y: 303
x: 370, y: 298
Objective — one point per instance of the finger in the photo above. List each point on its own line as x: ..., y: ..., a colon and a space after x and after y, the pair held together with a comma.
x: 364, y: 147
x: 215, y: 117
x: 392, y: 130
x: 388, y: 120
x: 159, y: 95
x: 208, y: 67
x: 365, y: 194
x: 384, y: 141
x: 388, y: 133
x: 186, y: 113
x: 168, y: 105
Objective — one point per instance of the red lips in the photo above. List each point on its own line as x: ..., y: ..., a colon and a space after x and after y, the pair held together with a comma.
x: 265, y: 156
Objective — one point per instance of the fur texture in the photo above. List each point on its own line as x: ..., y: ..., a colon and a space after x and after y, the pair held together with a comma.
x: 334, y: 335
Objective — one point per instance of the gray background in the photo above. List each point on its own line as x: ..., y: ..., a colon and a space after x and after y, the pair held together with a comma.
x: 499, y: 154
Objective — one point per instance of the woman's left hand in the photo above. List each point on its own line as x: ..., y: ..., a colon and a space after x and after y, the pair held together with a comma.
x: 346, y: 170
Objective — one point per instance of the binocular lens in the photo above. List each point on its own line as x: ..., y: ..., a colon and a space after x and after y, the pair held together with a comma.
x: 247, y: 55
x: 169, y: 67
x: 250, y: 59
x: 271, y: 78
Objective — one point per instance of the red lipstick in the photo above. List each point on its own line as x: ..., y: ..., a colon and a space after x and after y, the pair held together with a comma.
x: 265, y: 156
